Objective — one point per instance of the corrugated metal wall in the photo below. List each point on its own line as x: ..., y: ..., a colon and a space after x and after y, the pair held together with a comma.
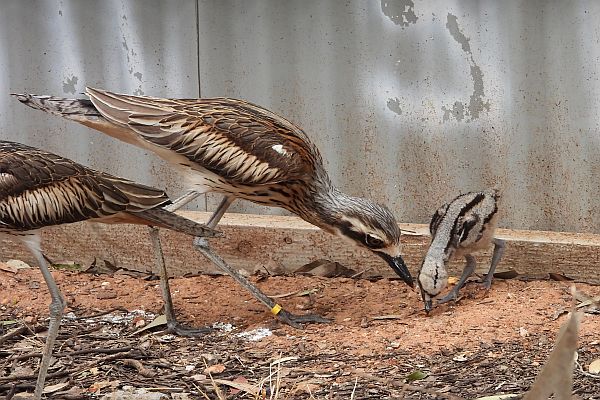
x: 410, y: 102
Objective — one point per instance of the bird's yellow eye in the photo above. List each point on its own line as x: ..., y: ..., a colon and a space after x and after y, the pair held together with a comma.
x: 373, y: 241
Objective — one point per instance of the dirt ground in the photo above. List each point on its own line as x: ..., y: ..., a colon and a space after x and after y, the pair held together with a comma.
x: 485, y: 344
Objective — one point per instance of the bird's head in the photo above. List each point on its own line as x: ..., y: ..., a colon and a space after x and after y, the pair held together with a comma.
x: 432, y: 279
x: 373, y: 226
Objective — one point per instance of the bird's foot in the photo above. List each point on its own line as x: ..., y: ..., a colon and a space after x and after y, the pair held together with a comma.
x: 178, y: 329
x: 452, y: 296
x: 486, y: 283
x: 297, y: 321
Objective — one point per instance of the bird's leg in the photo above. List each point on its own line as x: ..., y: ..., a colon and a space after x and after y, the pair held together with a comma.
x: 57, y: 307
x: 496, y: 256
x: 172, y: 324
x: 295, y: 321
x: 218, y: 214
x: 215, y: 218
x: 183, y: 200
x: 467, y: 272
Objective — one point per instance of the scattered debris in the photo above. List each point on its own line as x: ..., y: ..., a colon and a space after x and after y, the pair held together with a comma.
x: 594, y: 367
x: 214, y: 369
x: 224, y: 327
x: 255, y: 335
x: 18, y: 264
x: 102, y: 356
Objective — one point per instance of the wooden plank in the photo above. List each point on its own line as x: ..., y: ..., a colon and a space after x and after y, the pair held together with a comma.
x: 283, y: 244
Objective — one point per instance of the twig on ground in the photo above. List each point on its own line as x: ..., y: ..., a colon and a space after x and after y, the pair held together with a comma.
x: 100, y: 314
x: 145, y: 372
x: 15, y: 332
x: 356, y: 275
x: 354, y: 388
x: 60, y: 374
x: 73, y: 353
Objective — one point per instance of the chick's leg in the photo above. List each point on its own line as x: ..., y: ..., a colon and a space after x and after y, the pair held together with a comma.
x: 467, y: 272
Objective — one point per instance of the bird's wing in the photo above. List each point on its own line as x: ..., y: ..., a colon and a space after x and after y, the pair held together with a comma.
x: 469, y: 230
x: 38, y: 189
x: 437, y: 219
x: 240, y: 141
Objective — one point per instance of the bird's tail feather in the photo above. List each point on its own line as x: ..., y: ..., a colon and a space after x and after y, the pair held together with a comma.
x: 167, y: 219
x: 80, y: 110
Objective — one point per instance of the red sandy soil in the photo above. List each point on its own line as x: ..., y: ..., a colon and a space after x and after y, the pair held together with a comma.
x: 512, y: 310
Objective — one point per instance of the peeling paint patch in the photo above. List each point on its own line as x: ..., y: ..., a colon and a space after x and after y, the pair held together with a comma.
x: 457, y: 111
x: 452, y: 26
x: 394, y: 105
x: 401, y: 12
x: 476, y: 104
x: 138, y: 91
x: 138, y: 75
x: 69, y: 84
x: 124, y: 43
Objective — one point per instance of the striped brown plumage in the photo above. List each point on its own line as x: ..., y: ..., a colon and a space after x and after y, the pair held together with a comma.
x: 459, y: 228
x: 39, y: 189
x: 241, y: 150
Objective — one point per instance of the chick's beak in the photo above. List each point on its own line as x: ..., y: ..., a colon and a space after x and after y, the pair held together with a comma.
x: 426, y: 300
x: 398, y: 265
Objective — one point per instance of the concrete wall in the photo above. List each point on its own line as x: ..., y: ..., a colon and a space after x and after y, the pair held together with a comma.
x: 410, y: 103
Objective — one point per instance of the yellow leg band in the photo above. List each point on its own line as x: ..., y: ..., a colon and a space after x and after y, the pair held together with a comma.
x: 276, y: 309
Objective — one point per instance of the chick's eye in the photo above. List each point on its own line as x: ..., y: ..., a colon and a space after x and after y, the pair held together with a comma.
x: 373, y: 241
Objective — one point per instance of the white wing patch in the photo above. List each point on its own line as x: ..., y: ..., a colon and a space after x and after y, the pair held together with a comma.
x: 7, y: 180
x: 279, y: 148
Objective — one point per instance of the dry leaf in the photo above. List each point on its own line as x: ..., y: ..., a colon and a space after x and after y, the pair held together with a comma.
x: 559, y: 277
x: 55, y: 388
x: 199, y: 377
x: 239, y: 379
x: 18, y: 264
x: 594, y: 367
x: 556, y: 376
x: 8, y: 268
x: 245, y: 387
x: 97, y: 386
x: 158, y: 321
x: 214, y: 369
x: 510, y: 274
x: 452, y: 280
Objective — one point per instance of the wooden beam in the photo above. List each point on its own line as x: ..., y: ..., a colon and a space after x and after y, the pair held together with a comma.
x: 283, y: 244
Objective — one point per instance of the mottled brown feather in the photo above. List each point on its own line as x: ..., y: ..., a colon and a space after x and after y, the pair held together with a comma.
x: 239, y: 141
x: 39, y: 189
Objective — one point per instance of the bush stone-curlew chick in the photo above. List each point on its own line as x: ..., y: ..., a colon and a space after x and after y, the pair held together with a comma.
x: 460, y: 227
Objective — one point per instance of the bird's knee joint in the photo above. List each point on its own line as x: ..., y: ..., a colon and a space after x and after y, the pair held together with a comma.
x: 57, y: 306
x: 201, y: 242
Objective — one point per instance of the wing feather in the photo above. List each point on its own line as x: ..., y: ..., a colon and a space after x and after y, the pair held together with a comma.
x: 208, y: 132
x: 38, y: 189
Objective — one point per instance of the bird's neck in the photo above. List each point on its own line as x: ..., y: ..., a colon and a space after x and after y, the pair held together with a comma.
x: 324, y: 206
x: 440, y: 248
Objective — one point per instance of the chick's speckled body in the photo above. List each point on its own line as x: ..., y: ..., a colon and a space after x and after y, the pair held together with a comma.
x: 459, y: 228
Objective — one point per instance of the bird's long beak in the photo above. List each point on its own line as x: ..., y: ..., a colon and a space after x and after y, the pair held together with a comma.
x: 398, y: 265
